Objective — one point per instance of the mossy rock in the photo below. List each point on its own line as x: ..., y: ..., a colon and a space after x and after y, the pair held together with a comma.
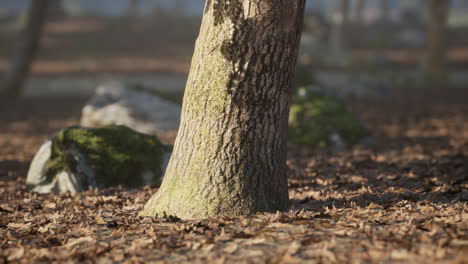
x: 98, y: 157
x: 317, y: 120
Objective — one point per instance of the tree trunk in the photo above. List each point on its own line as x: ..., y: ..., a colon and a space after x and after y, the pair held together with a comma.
x: 230, y: 153
x: 360, y: 11
x: 339, y: 31
x: 436, y: 57
x: 19, y: 70
x: 344, y: 11
x: 385, y: 10
x: 132, y: 10
x: 55, y: 10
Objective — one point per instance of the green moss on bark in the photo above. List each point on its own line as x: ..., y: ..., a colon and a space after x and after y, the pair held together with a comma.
x: 116, y: 154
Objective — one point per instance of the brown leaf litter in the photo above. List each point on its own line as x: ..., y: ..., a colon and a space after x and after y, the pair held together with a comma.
x: 403, y: 200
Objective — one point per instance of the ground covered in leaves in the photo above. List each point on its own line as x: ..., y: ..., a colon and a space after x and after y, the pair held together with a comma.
x: 403, y: 199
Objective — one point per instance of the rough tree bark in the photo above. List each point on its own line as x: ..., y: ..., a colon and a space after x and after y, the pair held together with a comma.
x: 436, y: 56
x: 31, y: 35
x: 230, y: 153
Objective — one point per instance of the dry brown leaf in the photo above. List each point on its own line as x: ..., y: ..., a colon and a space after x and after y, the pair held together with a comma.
x: 294, y: 247
x: 20, y: 226
x: 459, y: 242
x: 289, y: 259
x: 76, y: 241
x: 50, y: 205
x: 231, y: 248
x: 255, y: 241
x: 13, y: 254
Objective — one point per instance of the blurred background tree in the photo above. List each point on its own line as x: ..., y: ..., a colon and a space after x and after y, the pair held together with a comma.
x: 436, y: 60
x: 56, y: 10
x: 27, y: 49
x: 133, y: 8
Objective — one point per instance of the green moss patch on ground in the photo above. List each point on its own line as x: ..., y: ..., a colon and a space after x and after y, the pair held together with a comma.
x: 314, y: 116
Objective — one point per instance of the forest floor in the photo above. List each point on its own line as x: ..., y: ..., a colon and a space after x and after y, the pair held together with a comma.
x: 403, y: 200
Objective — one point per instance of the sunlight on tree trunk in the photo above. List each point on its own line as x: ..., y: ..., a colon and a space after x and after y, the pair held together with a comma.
x: 436, y: 57
x: 230, y: 153
x: 19, y: 70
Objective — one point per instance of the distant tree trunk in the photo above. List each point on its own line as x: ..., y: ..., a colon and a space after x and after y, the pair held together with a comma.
x: 344, y: 9
x: 339, y: 30
x: 360, y: 10
x: 55, y: 10
x: 436, y: 56
x: 385, y: 10
x: 31, y: 35
x: 230, y: 153
x: 132, y: 10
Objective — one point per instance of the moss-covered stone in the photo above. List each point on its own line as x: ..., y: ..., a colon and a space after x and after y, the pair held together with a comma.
x: 315, y: 117
x: 116, y: 155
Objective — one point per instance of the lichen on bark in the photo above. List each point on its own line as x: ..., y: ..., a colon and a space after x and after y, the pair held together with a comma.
x: 230, y: 152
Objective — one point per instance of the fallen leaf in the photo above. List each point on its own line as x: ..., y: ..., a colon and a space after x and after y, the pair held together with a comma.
x: 76, y: 241
x: 15, y: 253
